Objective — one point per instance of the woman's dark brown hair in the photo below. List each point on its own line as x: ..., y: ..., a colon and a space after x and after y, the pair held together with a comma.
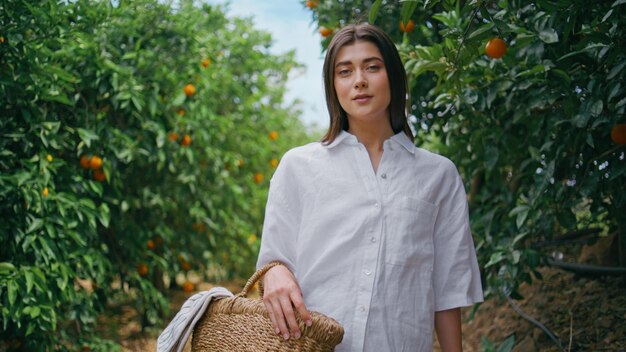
x: 395, y: 73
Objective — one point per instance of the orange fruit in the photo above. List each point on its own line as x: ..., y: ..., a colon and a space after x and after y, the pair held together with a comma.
x: 185, y: 265
x: 618, y: 134
x: 206, y: 62
x: 258, y: 178
x: 150, y: 244
x: 1, y: 40
x: 186, y: 141
x: 142, y: 269
x: 408, y: 28
x: 273, y: 135
x: 274, y: 162
x: 84, y: 161
x: 172, y: 136
x: 95, y: 162
x: 180, y: 112
x: 325, y: 31
x: 495, y: 48
x: 189, y: 90
x: 45, y: 192
x: 311, y: 4
x: 99, y: 175
x: 49, y: 158
x: 188, y: 286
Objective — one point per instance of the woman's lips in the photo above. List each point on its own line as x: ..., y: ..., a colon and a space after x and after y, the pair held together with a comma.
x: 362, y: 98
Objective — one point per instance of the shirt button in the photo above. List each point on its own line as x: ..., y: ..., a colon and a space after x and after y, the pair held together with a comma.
x: 383, y: 176
x: 367, y: 272
x: 373, y: 239
x: 362, y: 308
x: 377, y: 205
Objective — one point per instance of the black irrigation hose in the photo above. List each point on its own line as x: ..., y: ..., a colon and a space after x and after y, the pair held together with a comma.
x: 534, y: 321
x: 588, y: 268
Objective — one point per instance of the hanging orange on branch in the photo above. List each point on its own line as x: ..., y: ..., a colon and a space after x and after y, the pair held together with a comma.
x: 495, y: 48
x: 189, y: 90
x: 325, y: 31
x: 408, y: 28
x: 618, y: 134
x: 186, y: 141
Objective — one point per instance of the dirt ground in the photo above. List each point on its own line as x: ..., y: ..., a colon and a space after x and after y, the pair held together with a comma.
x: 585, y: 314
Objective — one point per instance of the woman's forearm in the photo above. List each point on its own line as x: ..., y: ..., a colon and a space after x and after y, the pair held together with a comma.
x: 448, y: 327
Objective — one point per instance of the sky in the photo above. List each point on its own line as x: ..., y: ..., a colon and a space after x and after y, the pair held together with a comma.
x: 289, y: 22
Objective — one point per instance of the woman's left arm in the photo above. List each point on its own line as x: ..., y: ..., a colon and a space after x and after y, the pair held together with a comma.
x: 448, y: 327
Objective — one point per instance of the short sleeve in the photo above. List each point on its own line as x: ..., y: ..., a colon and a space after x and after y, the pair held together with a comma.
x: 456, y: 276
x: 282, y: 218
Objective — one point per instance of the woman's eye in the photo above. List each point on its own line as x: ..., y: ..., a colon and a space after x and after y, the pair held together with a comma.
x: 344, y: 72
x: 373, y: 68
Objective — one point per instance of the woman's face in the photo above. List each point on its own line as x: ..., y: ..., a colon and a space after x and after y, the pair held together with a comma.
x: 361, y: 83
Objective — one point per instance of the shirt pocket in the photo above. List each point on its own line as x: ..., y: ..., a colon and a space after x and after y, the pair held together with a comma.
x: 409, y: 235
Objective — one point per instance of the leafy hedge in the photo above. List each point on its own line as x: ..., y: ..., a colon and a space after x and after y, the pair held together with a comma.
x: 173, y: 178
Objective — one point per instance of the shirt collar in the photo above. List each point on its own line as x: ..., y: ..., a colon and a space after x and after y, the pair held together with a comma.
x: 400, y: 138
x: 343, y: 136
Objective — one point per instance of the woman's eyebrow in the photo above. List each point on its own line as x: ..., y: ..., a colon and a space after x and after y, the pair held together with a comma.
x: 369, y: 59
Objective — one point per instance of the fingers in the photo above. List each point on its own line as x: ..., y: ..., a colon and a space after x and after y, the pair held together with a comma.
x: 298, y: 303
x: 282, y: 299
x: 290, y: 317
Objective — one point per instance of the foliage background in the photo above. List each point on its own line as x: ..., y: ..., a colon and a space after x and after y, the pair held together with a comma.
x: 530, y: 133
x: 100, y: 79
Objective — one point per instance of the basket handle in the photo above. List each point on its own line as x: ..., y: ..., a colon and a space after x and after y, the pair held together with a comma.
x: 255, y: 277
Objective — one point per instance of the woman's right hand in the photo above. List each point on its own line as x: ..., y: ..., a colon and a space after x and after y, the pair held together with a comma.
x: 281, y: 296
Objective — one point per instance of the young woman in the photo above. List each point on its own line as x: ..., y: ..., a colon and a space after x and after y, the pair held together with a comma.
x: 372, y: 230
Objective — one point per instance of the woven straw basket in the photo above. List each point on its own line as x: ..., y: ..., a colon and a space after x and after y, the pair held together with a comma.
x: 239, y: 323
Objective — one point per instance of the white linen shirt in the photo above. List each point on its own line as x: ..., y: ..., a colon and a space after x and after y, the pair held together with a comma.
x: 378, y: 252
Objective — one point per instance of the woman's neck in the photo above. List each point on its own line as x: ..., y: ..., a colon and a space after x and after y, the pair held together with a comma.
x: 371, y: 136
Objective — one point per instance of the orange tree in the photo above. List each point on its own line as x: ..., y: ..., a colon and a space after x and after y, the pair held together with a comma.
x: 137, y: 140
x: 530, y: 131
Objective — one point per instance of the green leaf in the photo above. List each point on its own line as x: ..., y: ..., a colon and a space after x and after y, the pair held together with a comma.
x: 521, y: 213
x: 495, y: 258
x: 62, y: 74
x: 482, y: 29
x: 507, y: 345
x: 423, y: 66
x: 35, y: 224
x: 6, y: 268
x: 589, y: 140
x: 374, y: 11
x: 30, y: 279
x: 536, y: 69
x: 615, y: 70
x: 12, y: 291
x: 580, y: 120
x: 408, y: 7
x: 596, y: 108
x: 58, y: 98
x: 34, y: 312
x: 104, y: 214
x: 589, y: 48
x: 87, y: 136
x: 77, y: 238
x: 549, y: 36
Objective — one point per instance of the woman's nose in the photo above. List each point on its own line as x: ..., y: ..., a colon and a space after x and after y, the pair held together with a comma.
x: 360, y: 81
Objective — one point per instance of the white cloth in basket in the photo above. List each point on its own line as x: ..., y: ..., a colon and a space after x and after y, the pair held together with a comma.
x: 177, y: 332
